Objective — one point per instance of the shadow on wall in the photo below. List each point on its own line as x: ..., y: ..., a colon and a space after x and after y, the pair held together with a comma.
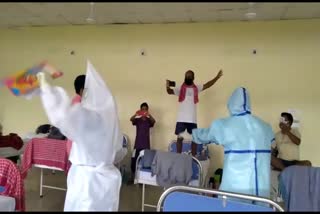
x: 156, y: 132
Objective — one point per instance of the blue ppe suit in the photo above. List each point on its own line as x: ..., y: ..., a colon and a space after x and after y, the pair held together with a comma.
x: 247, y: 147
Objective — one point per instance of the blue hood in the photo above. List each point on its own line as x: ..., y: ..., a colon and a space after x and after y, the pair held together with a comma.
x: 239, y: 102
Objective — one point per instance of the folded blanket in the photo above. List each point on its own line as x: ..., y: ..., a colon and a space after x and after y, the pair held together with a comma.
x: 172, y: 168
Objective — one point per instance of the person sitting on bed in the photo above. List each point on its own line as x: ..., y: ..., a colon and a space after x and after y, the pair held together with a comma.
x: 143, y: 120
x: 287, y: 145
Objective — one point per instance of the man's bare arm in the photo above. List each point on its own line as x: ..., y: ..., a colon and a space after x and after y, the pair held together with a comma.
x: 213, y: 81
x: 294, y: 138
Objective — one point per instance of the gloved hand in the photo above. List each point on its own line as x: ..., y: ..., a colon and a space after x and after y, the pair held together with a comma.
x: 42, y: 80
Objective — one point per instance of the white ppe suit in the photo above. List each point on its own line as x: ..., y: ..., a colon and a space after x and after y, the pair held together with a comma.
x: 93, y: 182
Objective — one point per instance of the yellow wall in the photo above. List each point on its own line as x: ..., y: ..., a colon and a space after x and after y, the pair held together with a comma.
x: 284, y: 73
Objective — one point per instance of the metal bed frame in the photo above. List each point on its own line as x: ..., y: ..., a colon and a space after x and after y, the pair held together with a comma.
x: 42, y: 185
x: 143, y: 204
x: 42, y: 167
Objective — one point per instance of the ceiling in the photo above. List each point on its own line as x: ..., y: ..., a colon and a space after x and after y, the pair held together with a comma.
x: 48, y: 14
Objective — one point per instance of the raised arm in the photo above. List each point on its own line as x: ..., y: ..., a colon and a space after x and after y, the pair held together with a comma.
x: 72, y: 121
x: 57, y: 106
x: 213, y: 81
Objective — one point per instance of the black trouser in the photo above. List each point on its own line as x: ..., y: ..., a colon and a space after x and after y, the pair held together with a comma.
x: 134, y: 160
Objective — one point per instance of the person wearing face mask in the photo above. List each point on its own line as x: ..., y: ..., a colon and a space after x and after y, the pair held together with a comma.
x: 143, y: 121
x: 287, y: 145
x: 188, y: 99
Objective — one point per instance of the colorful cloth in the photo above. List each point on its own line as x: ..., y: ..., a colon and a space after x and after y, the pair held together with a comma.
x: 183, y: 91
x: 25, y: 82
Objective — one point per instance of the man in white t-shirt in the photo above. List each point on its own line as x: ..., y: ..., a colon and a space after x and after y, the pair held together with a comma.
x: 287, y: 145
x: 188, y: 99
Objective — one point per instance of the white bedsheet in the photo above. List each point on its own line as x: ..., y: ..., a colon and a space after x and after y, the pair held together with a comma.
x: 7, y: 204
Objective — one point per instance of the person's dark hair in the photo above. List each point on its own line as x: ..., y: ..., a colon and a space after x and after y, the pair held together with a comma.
x: 288, y: 116
x: 190, y: 71
x: 79, y: 83
x: 43, y: 129
x: 144, y: 104
x: 55, y: 133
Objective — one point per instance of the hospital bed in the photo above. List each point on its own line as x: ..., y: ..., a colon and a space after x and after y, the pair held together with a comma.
x: 51, y: 154
x: 50, y: 146
x: 45, y: 154
x: 186, y: 198
x: 120, y: 155
x: 144, y: 177
x: 12, y: 194
x: 8, y: 152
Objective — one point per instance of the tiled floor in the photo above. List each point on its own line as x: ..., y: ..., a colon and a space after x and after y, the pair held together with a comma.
x: 53, y: 200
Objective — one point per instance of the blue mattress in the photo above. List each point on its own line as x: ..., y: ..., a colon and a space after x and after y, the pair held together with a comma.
x: 180, y: 201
